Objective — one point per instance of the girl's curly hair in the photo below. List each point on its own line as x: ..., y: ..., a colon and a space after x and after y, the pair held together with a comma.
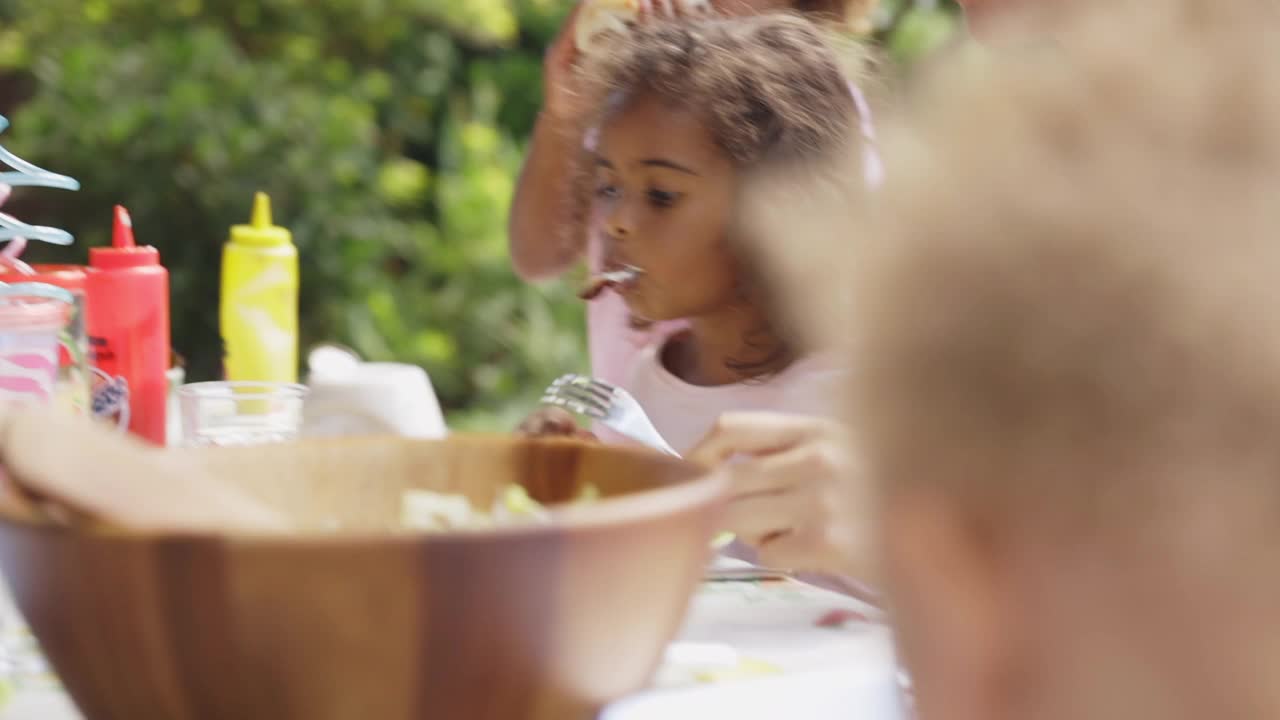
x: 767, y: 86
x: 771, y: 89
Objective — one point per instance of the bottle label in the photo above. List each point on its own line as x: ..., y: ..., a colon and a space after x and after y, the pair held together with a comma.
x: 110, y: 393
x: 111, y: 399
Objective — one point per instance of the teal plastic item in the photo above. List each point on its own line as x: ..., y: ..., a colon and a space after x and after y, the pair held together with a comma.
x: 24, y: 174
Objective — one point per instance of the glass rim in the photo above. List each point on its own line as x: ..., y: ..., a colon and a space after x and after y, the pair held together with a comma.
x: 247, y: 390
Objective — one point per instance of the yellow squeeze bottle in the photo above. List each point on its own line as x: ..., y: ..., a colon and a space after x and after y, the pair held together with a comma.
x: 259, y: 307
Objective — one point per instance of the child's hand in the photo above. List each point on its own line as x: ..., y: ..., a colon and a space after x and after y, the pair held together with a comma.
x: 553, y: 422
x: 797, y: 495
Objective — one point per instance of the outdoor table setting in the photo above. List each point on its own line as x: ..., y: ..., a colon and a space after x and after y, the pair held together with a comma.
x: 754, y: 642
x: 330, y: 550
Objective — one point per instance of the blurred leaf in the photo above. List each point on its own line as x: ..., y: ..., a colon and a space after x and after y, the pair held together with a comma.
x: 13, y: 50
x: 920, y: 32
x: 403, y: 182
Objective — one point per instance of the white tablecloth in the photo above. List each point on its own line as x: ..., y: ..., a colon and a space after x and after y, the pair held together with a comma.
x: 801, y: 670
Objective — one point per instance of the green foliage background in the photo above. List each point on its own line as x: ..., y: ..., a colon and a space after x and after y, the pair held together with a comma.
x: 388, y: 133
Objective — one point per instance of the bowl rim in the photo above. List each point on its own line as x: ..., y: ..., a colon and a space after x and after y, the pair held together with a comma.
x: 702, y: 488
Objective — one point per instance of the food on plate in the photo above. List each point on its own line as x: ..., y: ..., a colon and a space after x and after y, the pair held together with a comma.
x: 746, y: 669
x: 433, y: 511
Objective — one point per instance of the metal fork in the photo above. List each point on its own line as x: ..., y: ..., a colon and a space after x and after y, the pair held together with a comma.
x: 611, y: 405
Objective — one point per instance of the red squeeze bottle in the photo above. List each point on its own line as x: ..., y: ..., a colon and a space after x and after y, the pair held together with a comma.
x: 127, y: 316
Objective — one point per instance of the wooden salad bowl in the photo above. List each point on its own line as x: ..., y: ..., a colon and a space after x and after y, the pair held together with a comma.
x: 543, y: 621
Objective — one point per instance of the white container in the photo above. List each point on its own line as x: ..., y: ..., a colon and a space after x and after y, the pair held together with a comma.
x: 176, y: 378
x: 358, y: 398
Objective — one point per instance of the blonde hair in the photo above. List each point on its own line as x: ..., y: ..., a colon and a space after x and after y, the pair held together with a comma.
x: 1074, y: 297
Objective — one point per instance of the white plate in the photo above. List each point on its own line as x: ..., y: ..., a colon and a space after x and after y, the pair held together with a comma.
x: 833, y: 694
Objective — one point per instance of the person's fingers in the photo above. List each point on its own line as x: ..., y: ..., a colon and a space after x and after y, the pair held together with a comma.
x: 755, y: 433
x: 793, y: 550
x: 666, y: 8
x: 766, y: 475
x: 804, y: 549
x: 821, y: 541
x: 759, y: 517
x: 814, y: 464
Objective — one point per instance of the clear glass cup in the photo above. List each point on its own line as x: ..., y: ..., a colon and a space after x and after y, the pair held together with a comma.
x: 230, y: 414
x: 32, y: 318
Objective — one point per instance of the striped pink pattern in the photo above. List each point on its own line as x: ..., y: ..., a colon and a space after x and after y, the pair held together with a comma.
x: 30, y: 372
x: 30, y: 361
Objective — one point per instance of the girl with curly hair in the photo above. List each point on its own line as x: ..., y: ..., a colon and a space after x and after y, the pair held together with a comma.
x: 544, y: 239
x: 687, y: 113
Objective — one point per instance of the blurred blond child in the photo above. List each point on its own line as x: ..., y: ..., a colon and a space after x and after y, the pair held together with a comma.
x: 1068, y: 393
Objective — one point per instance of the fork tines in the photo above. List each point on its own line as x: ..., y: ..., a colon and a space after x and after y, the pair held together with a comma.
x: 580, y: 394
x: 574, y: 406
x: 584, y: 381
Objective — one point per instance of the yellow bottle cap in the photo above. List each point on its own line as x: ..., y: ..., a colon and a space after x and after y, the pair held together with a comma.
x: 260, y: 231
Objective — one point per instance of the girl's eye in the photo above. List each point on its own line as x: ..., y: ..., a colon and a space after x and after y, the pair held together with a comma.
x: 605, y: 190
x: 662, y: 198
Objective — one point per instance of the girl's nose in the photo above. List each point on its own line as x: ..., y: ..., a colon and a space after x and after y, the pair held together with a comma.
x: 619, y: 222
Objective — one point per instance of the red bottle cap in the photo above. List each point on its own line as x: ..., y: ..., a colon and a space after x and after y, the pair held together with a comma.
x: 124, y: 252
